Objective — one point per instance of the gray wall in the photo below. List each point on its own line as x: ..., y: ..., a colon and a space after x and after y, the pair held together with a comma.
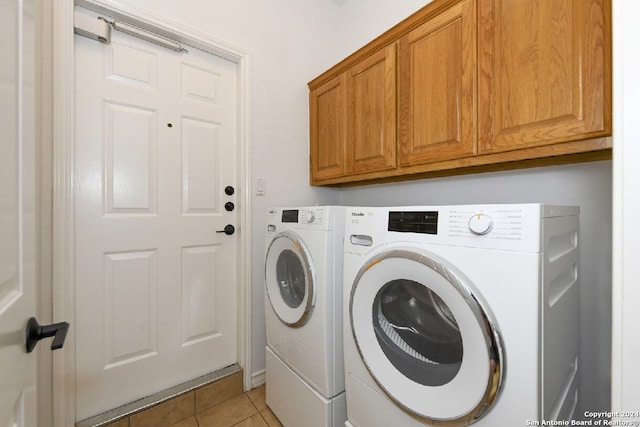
x: 587, y: 185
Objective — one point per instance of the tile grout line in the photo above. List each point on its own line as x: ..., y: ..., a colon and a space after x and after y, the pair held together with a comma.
x: 254, y: 407
x: 264, y: 419
x: 259, y: 411
x: 246, y: 394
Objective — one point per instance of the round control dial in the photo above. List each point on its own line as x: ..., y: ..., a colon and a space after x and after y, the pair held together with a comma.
x: 310, y: 216
x: 480, y: 224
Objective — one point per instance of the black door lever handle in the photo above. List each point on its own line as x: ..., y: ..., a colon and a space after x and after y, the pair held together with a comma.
x: 228, y: 230
x: 36, y: 332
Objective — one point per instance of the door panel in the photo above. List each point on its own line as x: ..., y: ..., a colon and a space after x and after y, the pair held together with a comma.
x: 17, y: 213
x: 200, y: 167
x: 199, y: 322
x: 130, y: 295
x: 437, y: 80
x: 371, y: 113
x: 328, y: 129
x: 130, y: 159
x: 156, y: 284
x: 543, y: 72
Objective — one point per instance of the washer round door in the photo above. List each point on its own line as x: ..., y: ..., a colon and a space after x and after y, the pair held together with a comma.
x: 289, y: 279
x: 426, y: 337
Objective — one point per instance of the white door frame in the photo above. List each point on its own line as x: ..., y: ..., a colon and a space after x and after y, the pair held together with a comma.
x: 625, y: 372
x: 63, y: 190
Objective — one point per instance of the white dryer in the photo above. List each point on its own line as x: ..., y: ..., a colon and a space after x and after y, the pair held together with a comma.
x: 456, y: 315
x: 303, y: 309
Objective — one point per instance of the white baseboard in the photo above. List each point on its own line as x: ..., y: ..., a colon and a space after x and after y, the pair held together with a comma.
x: 258, y: 378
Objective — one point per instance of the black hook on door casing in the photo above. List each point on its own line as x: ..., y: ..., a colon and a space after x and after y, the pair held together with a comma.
x: 36, y: 332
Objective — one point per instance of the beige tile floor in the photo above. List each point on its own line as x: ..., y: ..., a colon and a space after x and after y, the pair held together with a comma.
x: 245, y: 410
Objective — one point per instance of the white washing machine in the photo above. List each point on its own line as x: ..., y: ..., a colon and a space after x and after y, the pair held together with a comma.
x: 303, y: 308
x: 456, y: 315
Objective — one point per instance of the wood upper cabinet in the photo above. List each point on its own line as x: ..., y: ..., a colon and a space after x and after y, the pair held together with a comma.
x: 437, y: 97
x: 544, y: 72
x: 328, y: 129
x: 371, y: 113
x: 468, y: 85
x: 353, y: 119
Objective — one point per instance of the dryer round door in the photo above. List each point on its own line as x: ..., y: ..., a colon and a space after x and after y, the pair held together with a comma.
x: 289, y: 279
x: 426, y: 337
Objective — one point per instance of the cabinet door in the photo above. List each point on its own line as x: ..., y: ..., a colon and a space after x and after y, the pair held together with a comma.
x: 545, y: 72
x: 327, y: 126
x: 437, y: 80
x: 371, y: 113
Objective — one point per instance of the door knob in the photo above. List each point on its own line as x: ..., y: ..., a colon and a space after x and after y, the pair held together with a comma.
x: 36, y: 332
x: 229, y: 190
x: 228, y: 230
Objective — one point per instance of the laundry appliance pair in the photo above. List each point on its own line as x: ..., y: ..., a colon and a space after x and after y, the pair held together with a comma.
x: 452, y: 315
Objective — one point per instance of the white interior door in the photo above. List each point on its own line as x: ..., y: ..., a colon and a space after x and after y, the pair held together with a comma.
x: 17, y: 215
x: 156, y: 282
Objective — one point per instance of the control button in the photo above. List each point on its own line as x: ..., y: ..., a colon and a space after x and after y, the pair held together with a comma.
x: 480, y: 224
